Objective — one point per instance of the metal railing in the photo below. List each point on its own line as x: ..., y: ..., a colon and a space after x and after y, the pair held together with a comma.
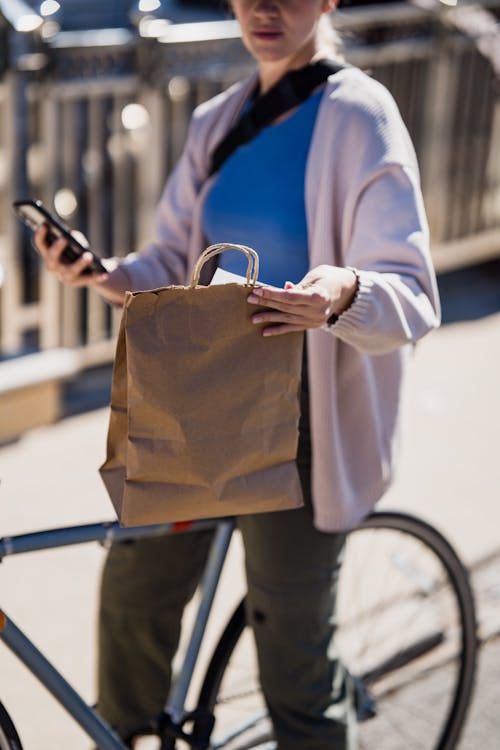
x: 93, y: 126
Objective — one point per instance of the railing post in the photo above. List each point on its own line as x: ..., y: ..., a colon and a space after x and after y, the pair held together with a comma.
x: 435, y: 158
x: 492, y: 200
x: 50, y: 287
x: 15, y: 124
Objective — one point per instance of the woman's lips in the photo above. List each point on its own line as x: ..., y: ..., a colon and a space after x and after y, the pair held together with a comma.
x: 266, y: 34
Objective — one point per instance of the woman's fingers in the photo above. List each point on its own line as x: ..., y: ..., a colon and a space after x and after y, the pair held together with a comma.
x: 324, y: 290
x: 299, y: 319
x: 278, y: 330
x: 298, y: 300
x: 71, y: 273
x: 68, y: 273
x: 50, y: 251
x: 303, y: 316
x: 40, y: 240
x: 290, y: 309
x: 289, y: 296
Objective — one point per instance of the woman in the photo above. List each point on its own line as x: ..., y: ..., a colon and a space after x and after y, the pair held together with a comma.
x: 329, y: 195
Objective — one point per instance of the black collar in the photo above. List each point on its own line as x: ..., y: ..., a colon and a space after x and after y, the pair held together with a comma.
x: 290, y: 91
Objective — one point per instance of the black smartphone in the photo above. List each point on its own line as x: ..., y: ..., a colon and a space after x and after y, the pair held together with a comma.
x: 34, y: 214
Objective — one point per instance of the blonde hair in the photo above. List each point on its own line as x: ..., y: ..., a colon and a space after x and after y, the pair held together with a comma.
x: 328, y: 39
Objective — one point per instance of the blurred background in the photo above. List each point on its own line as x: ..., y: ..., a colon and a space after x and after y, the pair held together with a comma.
x: 95, y: 98
x: 94, y: 102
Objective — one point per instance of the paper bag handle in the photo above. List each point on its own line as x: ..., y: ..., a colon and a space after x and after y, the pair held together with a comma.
x: 210, y: 252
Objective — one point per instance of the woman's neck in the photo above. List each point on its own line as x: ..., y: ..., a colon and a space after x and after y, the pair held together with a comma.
x: 270, y: 72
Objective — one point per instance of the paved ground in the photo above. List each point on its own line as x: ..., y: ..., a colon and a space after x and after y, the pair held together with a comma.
x: 450, y: 474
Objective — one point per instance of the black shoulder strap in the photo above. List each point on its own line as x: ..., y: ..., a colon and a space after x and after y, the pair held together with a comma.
x: 287, y: 93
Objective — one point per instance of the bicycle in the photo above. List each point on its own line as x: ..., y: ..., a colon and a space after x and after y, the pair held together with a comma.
x: 406, y: 631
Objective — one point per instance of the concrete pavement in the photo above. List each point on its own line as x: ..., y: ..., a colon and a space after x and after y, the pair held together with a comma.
x: 450, y: 475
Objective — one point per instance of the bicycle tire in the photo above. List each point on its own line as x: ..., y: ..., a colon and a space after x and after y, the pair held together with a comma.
x: 9, y: 738
x: 436, y: 587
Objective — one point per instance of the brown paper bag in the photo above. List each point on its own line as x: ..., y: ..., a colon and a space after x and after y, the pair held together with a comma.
x: 204, y: 409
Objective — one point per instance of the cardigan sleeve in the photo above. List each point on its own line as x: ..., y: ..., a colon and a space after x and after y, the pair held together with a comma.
x: 397, y: 300
x: 382, y: 228
x: 164, y: 261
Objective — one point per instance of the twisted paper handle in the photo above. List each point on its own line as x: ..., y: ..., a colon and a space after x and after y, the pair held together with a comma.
x: 210, y: 252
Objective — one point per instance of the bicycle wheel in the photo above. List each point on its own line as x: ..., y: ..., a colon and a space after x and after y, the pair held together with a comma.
x: 406, y: 632
x: 9, y: 739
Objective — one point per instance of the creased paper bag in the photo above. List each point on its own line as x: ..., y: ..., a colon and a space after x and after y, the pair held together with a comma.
x: 204, y: 409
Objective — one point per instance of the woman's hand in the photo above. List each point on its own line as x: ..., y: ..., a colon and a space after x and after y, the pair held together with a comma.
x: 323, y: 292
x: 68, y: 273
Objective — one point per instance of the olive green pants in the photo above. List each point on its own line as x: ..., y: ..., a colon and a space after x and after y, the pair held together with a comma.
x: 292, y: 574
x: 292, y: 571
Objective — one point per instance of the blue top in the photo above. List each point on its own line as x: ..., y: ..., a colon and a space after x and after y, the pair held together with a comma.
x: 257, y: 199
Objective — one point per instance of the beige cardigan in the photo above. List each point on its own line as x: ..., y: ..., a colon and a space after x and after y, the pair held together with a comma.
x: 364, y: 209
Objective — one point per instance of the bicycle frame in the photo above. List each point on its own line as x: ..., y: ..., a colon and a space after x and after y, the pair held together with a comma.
x: 106, y: 533
x: 460, y: 630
